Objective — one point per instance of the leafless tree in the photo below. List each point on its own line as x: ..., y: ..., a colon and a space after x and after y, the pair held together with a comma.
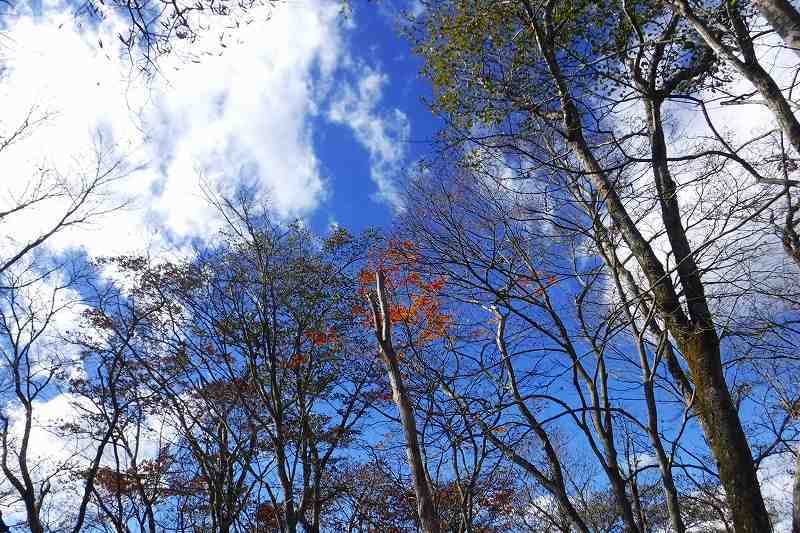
x: 66, y: 201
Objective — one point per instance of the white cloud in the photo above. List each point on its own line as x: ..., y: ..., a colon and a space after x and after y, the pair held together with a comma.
x: 382, y: 134
x: 242, y: 116
x: 776, y: 477
x: 245, y: 115
x: 742, y: 258
x: 49, y: 457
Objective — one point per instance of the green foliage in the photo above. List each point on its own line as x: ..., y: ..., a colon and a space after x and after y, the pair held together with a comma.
x: 484, y: 61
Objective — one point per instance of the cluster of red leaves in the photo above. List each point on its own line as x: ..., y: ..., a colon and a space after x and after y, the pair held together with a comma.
x: 396, y: 261
x: 494, y: 499
x: 417, y: 298
x: 181, y: 486
x: 268, y: 516
x: 228, y: 391
x: 499, y: 501
x: 115, y: 482
x: 380, y: 500
x: 148, y: 475
x: 541, y: 284
x: 322, y: 338
x: 98, y: 319
x: 296, y: 361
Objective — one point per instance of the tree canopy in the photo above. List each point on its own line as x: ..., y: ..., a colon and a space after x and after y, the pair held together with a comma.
x: 583, y: 320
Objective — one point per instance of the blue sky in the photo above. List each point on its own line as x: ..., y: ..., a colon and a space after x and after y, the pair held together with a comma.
x: 376, y: 37
x: 322, y: 113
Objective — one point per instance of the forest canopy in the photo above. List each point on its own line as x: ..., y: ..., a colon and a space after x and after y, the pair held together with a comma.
x: 581, y: 315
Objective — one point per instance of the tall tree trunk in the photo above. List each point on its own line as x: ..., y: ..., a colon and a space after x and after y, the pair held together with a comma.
x: 700, y: 345
x: 25, y: 486
x: 695, y: 334
x: 637, y: 505
x: 379, y: 300
x: 782, y: 16
x: 796, y: 494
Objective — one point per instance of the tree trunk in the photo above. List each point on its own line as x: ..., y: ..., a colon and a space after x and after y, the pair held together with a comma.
x: 24, y: 486
x: 700, y: 345
x: 782, y: 16
x: 380, y: 309
x: 796, y: 494
x: 695, y: 334
x: 724, y: 432
x: 637, y: 505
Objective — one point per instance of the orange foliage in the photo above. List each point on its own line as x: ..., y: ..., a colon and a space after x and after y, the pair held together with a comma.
x: 148, y: 475
x: 539, y: 291
x: 366, y: 277
x: 296, y: 361
x: 268, y: 516
x: 322, y: 338
x: 114, y: 482
x: 417, y: 296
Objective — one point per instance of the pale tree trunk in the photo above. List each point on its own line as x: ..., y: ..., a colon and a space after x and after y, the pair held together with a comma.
x: 637, y: 505
x: 379, y: 301
x: 555, y: 484
x: 782, y: 16
x: 796, y: 494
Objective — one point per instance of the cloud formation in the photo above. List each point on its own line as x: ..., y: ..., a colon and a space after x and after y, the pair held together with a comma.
x: 383, y: 133
x: 238, y: 106
x: 234, y: 107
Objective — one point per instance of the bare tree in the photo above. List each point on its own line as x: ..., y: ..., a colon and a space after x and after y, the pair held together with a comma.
x: 34, y: 366
x: 67, y: 201
x: 255, y: 357
x: 545, y: 91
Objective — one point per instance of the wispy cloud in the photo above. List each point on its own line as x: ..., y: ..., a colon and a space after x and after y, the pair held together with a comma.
x: 383, y: 133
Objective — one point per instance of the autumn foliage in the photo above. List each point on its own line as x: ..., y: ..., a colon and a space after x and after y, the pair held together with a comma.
x: 417, y: 301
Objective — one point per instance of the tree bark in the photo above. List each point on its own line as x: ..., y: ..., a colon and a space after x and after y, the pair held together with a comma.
x: 379, y: 301
x: 700, y: 345
x: 782, y: 16
x: 796, y: 495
